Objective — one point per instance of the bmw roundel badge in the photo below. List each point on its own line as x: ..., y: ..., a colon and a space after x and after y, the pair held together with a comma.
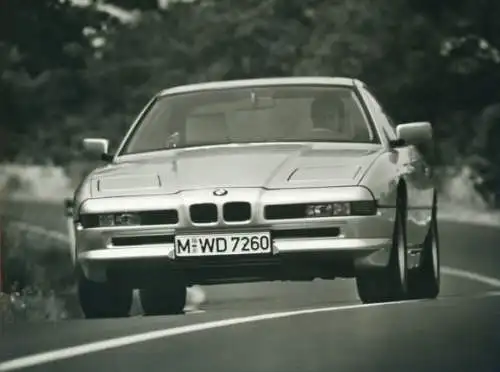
x: 220, y: 192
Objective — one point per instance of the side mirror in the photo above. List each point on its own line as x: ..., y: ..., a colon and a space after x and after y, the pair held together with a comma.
x: 97, y: 147
x: 414, y: 133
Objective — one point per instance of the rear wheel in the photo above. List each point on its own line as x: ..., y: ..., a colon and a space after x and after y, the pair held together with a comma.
x: 164, y: 300
x: 391, y: 282
x: 103, y: 300
x: 424, y: 281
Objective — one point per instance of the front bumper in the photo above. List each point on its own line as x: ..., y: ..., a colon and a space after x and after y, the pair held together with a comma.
x: 359, y: 241
x: 362, y: 242
x: 280, y: 247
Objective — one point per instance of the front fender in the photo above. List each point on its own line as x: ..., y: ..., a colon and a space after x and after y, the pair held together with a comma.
x: 382, y: 179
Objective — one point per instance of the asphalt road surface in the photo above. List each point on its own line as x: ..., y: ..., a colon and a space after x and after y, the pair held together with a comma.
x: 287, y: 327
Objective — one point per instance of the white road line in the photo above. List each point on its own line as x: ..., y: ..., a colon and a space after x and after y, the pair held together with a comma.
x: 464, y: 274
x: 94, y: 347
x: 489, y: 294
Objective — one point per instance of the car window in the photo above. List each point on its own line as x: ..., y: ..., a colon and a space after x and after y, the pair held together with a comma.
x: 385, y: 120
x: 243, y: 115
x: 152, y: 137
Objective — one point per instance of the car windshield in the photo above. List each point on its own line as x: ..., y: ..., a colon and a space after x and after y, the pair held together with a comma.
x: 252, y: 114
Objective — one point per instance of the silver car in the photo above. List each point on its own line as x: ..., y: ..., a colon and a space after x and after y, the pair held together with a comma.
x: 286, y: 179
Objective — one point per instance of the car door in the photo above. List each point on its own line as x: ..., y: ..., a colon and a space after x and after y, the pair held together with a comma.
x: 415, y: 170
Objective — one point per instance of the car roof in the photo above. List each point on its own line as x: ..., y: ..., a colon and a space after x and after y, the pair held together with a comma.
x: 246, y: 83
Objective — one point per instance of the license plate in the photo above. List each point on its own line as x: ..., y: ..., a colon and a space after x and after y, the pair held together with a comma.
x: 222, y: 244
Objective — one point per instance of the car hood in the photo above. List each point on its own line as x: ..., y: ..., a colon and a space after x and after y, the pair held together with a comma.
x: 270, y: 166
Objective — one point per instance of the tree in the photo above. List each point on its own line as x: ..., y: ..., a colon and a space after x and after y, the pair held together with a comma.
x: 42, y: 48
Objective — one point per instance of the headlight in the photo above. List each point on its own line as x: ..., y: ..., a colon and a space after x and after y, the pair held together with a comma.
x: 136, y: 218
x: 119, y: 219
x: 328, y: 209
x: 325, y: 209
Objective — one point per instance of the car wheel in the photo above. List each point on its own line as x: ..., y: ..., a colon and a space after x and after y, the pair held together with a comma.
x: 391, y: 282
x: 424, y: 281
x: 167, y: 300
x: 103, y: 300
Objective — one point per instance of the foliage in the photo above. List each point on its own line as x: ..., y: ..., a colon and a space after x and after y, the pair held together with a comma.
x: 75, y: 72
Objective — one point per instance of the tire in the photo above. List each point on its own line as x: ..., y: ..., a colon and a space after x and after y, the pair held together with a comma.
x: 390, y: 283
x: 168, y: 300
x: 103, y: 300
x: 425, y: 280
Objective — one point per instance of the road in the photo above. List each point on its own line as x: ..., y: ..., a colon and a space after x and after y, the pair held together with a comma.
x: 288, y: 327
